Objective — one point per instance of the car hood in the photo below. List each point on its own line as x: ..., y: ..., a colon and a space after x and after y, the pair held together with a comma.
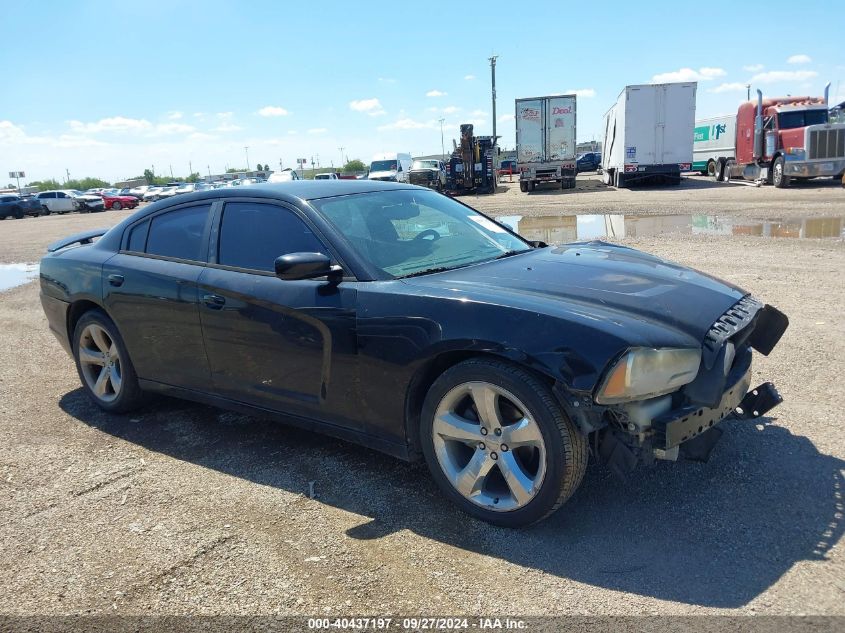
x: 595, y: 278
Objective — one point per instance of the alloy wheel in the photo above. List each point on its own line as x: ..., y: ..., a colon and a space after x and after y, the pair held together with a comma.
x: 99, y: 359
x: 489, y: 446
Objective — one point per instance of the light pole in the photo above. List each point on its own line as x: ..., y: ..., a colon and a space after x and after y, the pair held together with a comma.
x: 246, y: 150
x: 341, y: 156
x: 748, y: 92
x: 442, y: 145
x: 493, y: 85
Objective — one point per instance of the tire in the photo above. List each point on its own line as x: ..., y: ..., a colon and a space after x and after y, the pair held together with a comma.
x: 712, y: 169
x: 718, y: 166
x: 116, y: 205
x: 97, y: 343
x: 531, y: 185
x: 544, y: 470
x: 779, y: 177
x: 523, y: 186
x: 17, y: 213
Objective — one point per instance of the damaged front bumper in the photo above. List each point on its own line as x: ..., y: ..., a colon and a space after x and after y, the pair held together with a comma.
x: 684, y: 424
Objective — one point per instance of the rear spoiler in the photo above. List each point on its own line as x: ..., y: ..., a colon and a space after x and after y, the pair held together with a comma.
x: 86, y: 237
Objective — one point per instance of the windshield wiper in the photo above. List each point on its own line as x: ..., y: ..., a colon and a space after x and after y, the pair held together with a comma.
x: 428, y: 271
x: 508, y: 254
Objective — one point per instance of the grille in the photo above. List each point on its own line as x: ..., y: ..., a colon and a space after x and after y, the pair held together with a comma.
x: 827, y: 143
x: 421, y: 177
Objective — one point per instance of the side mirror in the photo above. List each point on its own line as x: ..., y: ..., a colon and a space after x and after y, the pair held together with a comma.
x: 304, y: 266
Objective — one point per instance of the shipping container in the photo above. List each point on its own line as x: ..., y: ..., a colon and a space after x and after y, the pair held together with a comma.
x: 545, y: 141
x: 713, y: 139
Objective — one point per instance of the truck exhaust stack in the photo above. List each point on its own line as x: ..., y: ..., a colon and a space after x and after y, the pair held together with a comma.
x: 758, y: 127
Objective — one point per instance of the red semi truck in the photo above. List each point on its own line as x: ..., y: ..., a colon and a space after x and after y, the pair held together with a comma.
x: 783, y: 138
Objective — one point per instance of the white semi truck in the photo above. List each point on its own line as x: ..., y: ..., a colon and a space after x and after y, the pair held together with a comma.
x: 545, y: 141
x: 648, y: 134
x: 713, y: 138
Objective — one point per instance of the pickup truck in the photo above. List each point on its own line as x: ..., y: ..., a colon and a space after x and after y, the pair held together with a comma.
x: 12, y: 205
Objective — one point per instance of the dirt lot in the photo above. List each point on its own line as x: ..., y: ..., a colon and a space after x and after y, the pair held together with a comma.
x: 186, y: 509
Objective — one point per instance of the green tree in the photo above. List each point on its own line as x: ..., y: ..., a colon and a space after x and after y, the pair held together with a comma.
x: 86, y: 183
x: 46, y: 185
x: 234, y: 170
x: 149, y: 176
x: 354, y: 165
x: 194, y: 177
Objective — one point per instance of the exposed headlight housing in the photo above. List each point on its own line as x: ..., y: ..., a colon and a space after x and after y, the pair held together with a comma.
x: 645, y: 373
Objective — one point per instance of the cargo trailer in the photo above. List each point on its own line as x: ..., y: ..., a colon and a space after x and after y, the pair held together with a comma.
x: 648, y: 134
x: 713, y: 139
x: 545, y: 141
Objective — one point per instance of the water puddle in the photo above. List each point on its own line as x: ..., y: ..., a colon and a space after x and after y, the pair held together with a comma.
x: 557, y: 229
x: 12, y: 275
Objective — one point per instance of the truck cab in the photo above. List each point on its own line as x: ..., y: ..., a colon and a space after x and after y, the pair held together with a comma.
x: 788, y: 137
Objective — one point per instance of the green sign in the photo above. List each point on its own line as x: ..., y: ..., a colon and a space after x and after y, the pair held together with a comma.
x: 701, y: 134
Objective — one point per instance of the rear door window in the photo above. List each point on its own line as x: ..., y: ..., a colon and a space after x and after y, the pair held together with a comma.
x: 179, y: 234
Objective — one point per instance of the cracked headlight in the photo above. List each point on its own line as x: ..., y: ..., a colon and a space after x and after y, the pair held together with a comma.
x: 644, y: 373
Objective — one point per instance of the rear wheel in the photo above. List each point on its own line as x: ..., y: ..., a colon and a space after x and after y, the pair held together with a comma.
x: 103, y: 364
x: 531, y: 185
x: 116, y: 205
x: 498, y: 444
x: 17, y: 212
x: 712, y: 169
x: 523, y: 186
x: 779, y: 177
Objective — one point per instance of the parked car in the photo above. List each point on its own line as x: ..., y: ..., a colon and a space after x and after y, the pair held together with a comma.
x: 117, y: 201
x: 15, y: 206
x: 286, y: 175
x: 186, y: 188
x: 428, y: 173
x: 151, y: 194
x: 127, y: 191
x: 326, y: 176
x: 167, y: 192
x: 139, y: 191
x: 403, y: 319
x: 57, y: 201
x: 87, y: 203
x: 589, y: 161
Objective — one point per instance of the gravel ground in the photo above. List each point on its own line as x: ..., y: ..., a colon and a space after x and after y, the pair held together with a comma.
x: 184, y: 509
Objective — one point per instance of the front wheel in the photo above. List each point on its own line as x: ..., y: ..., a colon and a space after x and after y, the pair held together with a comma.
x: 103, y: 364
x: 498, y: 444
x: 779, y: 177
x: 523, y: 186
x: 116, y: 205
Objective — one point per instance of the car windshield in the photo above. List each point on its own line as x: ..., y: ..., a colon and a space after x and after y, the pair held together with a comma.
x: 409, y: 232
x: 424, y: 164
x: 801, y: 118
x: 383, y: 165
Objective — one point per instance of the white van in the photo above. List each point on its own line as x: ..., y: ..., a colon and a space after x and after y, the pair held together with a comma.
x: 394, y: 166
x: 286, y: 175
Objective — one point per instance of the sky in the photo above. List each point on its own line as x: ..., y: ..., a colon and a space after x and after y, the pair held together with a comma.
x: 108, y: 89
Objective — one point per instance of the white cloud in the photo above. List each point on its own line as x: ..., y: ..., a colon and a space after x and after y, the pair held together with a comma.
x: 174, y: 115
x: 111, y: 124
x: 74, y: 141
x: 469, y: 77
x: 729, y: 87
x: 505, y: 118
x: 272, y: 111
x: 774, y: 76
x: 799, y: 59
x: 688, y: 74
x: 173, y: 128
x: 372, y: 107
x: 450, y: 109
x: 435, y: 93
x: 318, y: 130
x: 753, y: 68
x: 586, y: 93
x: 479, y: 113
x: 408, y: 124
x: 227, y: 127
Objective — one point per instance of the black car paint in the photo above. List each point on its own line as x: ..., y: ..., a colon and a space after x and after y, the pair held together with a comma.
x: 353, y: 358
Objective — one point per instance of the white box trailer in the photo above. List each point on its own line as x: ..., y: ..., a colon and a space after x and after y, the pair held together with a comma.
x: 545, y: 141
x: 713, y: 139
x: 648, y: 134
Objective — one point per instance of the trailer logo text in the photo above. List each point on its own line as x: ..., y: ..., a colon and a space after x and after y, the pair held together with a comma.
x: 530, y: 114
x: 559, y: 110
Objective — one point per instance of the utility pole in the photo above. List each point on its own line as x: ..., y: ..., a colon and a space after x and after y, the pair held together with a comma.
x: 67, y: 172
x: 171, y: 172
x: 208, y: 167
x: 342, y: 163
x: 246, y: 149
x: 748, y: 92
x: 493, y: 79
x: 280, y: 165
x: 442, y: 145
x: 190, y: 169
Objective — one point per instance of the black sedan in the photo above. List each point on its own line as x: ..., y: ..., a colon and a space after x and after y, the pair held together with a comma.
x: 402, y: 319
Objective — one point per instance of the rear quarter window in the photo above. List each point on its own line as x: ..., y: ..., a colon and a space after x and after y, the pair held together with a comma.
x: 179, y: 233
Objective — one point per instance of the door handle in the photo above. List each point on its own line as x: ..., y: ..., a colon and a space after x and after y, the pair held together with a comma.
x: 214, y: 302
x: 116, y: 280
